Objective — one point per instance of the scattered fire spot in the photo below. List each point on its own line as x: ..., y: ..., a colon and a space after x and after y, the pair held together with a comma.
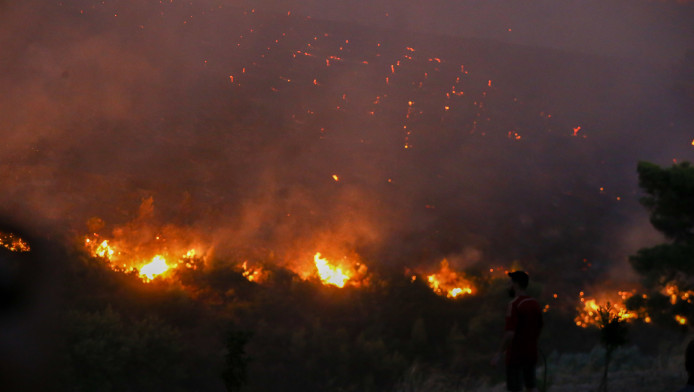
x: 13, y: 242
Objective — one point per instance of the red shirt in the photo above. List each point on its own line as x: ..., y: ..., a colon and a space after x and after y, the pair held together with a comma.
x: 524, y: 318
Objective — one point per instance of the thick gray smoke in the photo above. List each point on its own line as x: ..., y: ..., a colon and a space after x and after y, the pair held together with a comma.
x: 107, y: 104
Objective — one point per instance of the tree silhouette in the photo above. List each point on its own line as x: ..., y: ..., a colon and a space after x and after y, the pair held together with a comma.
x: 667, y: 269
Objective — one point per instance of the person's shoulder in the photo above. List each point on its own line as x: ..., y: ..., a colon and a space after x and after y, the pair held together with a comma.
x: 526, y: 299
x: 527, y: 302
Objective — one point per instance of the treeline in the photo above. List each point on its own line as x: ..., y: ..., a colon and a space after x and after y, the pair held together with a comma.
x: 209, y: 328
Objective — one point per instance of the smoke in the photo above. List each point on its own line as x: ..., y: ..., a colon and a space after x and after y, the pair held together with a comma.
x: 110, y: 106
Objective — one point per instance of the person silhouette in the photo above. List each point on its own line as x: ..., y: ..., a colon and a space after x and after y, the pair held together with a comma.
x: 521, y: 333
x: 689, y: 366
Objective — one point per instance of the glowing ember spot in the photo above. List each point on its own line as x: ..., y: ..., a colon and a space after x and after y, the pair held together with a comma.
x: 589, y: 311
x: 329, y: 274
x: 252, y: 274
x: 681, y: 319
x: 676, y: 294
x: 13, y: 243
x: 335, y: 177
x: 156, y: 267
x: 576, y: 129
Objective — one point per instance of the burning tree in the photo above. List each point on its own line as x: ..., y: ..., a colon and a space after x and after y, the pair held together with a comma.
x: 667, y: 269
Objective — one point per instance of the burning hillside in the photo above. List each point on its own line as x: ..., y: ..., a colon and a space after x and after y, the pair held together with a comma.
x: 352, y: 193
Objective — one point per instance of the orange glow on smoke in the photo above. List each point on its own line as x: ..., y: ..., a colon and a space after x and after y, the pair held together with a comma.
x: 448, y: 282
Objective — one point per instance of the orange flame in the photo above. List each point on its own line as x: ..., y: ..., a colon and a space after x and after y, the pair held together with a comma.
x: 13, y: 243
x: 154, y: 268
x: 589, y: 311
x: 448, y: 282
x: 121, y: 257
x: 330, y: 274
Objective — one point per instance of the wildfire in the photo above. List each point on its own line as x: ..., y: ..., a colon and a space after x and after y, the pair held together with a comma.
x: 124, y: 257
x: 448, y: 282
x: 675, y: 294
x: 13, y: 242
x: 156, y: 267
x: 589, y: 311
x: 330, y: 274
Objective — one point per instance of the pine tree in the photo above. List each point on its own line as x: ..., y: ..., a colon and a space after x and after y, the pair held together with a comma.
x: 667, y: 269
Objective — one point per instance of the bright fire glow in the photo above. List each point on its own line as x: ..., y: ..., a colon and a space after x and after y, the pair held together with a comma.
x: 448, y: 282
x: 156, y: 267
x: 103, y: 250
x: 121, y: 256
x: 330, y: 274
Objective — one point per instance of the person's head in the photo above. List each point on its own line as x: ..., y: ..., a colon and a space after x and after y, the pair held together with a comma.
x: 518, y: 282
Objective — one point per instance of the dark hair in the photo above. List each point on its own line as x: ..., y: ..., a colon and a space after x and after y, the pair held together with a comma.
x: 519, y: 277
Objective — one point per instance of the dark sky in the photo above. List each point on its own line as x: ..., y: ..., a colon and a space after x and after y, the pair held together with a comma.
x: 659, y: 29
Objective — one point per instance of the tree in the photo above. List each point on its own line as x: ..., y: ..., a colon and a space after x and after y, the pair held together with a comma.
x: 235, y: 370
x: 667, y: 269
x: 613, y: 334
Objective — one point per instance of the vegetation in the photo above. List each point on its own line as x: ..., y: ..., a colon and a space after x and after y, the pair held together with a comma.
x: 667, y: 269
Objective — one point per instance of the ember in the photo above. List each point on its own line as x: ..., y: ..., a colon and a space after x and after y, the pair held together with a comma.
x: 13, y: 242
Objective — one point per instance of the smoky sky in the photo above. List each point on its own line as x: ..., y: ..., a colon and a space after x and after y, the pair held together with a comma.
x: 206, y: 109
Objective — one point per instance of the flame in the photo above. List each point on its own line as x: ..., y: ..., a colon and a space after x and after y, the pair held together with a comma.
x: 104, y: 250
x: 329, y: 274
x: 154, y: 268
x: 448, y: 282
x: 675, y: 293
x: 252, y: 274
x: 589, y: 311
x: 125, y: 257
x: 13, y: 243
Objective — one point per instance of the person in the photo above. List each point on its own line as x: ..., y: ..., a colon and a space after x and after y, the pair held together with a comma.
x: 689, y: 366
x: 521, y: 333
